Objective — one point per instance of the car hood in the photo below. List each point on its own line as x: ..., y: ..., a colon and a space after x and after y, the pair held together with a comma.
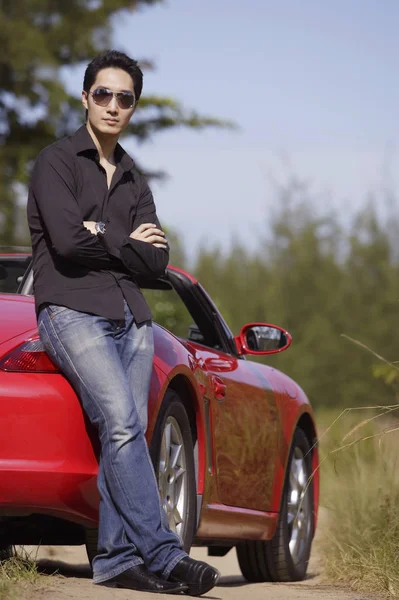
x: 17, y: 315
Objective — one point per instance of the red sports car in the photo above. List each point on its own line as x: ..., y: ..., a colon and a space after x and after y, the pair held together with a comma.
x: 233, y: 441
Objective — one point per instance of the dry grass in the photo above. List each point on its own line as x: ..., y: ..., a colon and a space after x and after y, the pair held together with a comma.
x: 17, y: 575
x: 360, y: 489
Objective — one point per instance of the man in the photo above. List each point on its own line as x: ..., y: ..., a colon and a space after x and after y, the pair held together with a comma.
x: 94, y: 229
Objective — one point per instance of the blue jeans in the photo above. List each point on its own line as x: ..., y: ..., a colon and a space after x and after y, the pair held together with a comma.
x: 109, y: 365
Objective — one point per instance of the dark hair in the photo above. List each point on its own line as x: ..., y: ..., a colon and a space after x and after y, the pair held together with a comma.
x: 112, y: 59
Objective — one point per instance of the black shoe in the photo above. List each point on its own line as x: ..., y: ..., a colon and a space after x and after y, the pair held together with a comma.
x: 199, y: 576
x: 141, y: 579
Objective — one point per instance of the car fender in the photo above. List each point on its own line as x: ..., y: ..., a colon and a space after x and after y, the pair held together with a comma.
x: 294, y: 411
x: 176, y: 369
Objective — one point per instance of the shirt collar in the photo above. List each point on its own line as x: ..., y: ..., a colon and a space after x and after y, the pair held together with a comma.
x: 83, y: 142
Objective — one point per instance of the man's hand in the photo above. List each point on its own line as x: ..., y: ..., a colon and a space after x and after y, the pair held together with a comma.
x: 148, y: 232
x: 90, y: 225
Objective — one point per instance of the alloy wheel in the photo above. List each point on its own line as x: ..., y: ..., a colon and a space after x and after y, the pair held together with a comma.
x: 299, y: 506
x: 172, y: 476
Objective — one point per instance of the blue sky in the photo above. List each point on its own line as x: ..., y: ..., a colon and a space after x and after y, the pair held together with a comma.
x: 312, y: 85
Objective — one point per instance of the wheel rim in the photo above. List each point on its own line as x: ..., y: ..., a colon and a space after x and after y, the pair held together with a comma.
x: 172, y: 476
x: 299, y: 513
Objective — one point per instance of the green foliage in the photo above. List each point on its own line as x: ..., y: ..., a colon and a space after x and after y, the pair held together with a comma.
x: 319, y: 280
x: 169, y: 311
x: 37, y: 38
x: 387, y: 373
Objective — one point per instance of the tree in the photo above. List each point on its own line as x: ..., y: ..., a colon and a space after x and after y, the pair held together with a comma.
x: 37, y: 38
x: 319, y: 278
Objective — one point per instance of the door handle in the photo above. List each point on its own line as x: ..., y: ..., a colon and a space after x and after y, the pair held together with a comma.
x: 195, y: 362
x: 219, y: 387
x: 192, y: 362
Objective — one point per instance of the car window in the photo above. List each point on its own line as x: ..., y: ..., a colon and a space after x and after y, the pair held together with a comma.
x: 170, y: 311
x: 11, y: 273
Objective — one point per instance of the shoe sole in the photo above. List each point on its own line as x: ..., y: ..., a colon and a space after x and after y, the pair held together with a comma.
x: 174, y: 590
x: 203, y: 587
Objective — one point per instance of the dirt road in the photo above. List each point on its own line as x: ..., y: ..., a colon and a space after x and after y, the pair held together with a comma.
x: 73, y: 581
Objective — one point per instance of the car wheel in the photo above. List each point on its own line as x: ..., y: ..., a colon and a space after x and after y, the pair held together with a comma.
x: 6, y: 552
x: 91, y: 542
x: 285, y: 557
x: 172, y: 454
x: 171, y: 451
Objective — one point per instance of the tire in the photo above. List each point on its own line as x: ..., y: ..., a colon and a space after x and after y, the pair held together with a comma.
x: 285, y: 557
x: 172, y: 419
x: 91, y: 542
x: 6, y: 552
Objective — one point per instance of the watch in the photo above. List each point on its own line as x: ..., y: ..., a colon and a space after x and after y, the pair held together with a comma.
x: 100, y: 227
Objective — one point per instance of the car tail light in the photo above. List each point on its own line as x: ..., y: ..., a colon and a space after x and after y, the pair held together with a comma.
x: 30, y: 357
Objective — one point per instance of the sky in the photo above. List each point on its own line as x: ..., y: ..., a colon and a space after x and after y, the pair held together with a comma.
x: 312, y: 86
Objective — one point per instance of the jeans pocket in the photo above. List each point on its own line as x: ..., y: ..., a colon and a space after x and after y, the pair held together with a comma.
x: 55, y: 309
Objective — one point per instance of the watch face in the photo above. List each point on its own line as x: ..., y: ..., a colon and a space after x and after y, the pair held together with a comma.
x: 100, y: 227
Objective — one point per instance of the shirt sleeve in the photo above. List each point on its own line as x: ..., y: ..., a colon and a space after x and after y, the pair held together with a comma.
x: 140, y: 258
x: 53, y: 188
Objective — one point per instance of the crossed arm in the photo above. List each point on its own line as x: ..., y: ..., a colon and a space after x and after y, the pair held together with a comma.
x: 147, y: 232
x: 144, y: 252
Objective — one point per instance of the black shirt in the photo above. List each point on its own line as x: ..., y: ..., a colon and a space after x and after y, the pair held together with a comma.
x: 71, y: 266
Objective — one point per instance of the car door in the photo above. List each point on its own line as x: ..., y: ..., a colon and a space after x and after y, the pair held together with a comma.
x: 245, y: 426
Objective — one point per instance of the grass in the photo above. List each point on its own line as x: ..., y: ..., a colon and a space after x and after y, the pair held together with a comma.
x: 360, y: 492
x: 17, y: 574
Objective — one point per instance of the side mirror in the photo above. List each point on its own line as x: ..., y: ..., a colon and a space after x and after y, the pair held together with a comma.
x: 262, y: 338
x: 194, y: 334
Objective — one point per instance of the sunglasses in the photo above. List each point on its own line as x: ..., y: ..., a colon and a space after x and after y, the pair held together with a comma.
x: 103, y: 96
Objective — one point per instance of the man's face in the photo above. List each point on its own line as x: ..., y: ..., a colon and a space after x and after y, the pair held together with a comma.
x: 111, y: 119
